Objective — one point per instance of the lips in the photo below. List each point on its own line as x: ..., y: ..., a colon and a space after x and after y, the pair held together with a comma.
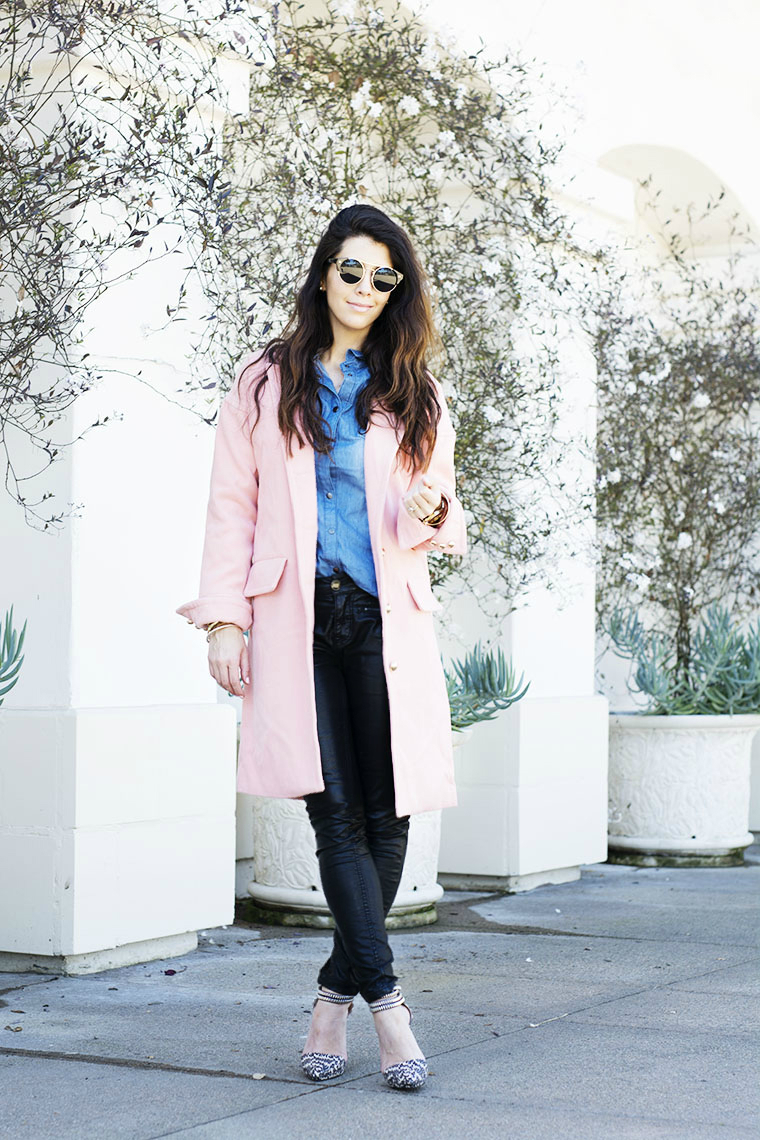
x: 359, y: 308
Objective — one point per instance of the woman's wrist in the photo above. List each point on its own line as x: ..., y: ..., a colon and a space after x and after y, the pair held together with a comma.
x: 215, y: 626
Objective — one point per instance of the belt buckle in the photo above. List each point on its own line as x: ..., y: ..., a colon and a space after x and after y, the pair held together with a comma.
x: 335, y: 584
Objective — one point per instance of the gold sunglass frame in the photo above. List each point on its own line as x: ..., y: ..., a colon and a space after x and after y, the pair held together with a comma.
x: 338, y: 261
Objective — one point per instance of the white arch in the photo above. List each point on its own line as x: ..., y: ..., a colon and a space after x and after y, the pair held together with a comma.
x: 674, y: 186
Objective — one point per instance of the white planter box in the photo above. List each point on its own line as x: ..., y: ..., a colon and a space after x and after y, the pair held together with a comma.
x: 679, y: 789
x: 286, y: 883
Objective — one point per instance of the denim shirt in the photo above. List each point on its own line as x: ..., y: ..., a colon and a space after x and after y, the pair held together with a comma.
x: 343, y: 541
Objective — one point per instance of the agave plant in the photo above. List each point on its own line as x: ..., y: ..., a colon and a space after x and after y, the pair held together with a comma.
x: 722, y: 674
x: 480, y: 685
x: 10, y: 654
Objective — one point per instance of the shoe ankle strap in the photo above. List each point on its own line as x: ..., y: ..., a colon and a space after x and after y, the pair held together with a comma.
x: 388, y: 1001
x: 323, y: 994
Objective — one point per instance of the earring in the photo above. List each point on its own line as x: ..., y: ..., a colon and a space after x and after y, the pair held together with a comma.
x: 321, y: 288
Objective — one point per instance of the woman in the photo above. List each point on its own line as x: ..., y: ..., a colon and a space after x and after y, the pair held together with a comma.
x: 332, y: 477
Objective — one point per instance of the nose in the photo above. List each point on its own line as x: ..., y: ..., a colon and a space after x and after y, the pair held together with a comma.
x: 365, y: 285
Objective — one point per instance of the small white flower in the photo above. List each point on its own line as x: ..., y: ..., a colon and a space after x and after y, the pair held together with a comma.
x: 491, y: 268
x: 430, y: 97
x: 630, y: 388
x: 614, y: 476
x: 409, y: 105
x: 647, y: 378
x: 445, y: 139
x: 683, y: 542
x: 676, y: 454
x: 375, y: 110
x: 361, y: 98
x: 375, y: 17
x: 346, y: 9
x: 718, y: 507
x: 493, y: 415
x: 701, y: 400
x: 429, y: 56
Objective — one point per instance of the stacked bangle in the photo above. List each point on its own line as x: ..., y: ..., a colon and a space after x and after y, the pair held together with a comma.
x: 215, y: 625
x: 439, y: 514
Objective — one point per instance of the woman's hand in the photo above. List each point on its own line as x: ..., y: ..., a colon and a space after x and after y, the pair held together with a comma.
x: 424, y: 499
x: 228, y: 659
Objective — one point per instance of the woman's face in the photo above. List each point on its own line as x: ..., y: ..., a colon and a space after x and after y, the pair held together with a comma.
x: 353, y: 308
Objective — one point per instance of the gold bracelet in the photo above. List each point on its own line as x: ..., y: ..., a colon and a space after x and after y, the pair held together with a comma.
x: 220, y: 625
x: 439, y: 514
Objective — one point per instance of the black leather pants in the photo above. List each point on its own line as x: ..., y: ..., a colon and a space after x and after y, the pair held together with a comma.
x: 361, y: 843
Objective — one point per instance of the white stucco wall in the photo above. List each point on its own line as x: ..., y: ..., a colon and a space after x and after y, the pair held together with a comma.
x: 665, y: 89
x: 647, y: 84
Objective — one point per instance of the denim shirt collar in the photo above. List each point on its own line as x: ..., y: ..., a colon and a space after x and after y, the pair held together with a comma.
x: 355, y: 374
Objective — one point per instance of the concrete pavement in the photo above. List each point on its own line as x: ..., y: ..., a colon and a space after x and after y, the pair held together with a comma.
x: 623, y: 1006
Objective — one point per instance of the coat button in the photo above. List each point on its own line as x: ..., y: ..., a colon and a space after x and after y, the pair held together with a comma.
x: 329, y: 495
x: 451, y: 544
x: 393, y: 665
x: 387, y: 610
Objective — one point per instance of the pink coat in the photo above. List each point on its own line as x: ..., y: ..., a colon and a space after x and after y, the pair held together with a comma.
x: 258, y: 571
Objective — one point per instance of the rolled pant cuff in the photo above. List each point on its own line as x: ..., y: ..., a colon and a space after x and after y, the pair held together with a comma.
x: 370, y: 993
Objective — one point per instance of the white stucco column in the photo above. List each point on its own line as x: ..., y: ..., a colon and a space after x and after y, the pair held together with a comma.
x: 532, y: 784
x: 117, y: 763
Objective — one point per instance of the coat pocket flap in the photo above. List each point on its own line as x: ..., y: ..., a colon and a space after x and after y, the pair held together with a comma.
x: 423, y: 596
x: 264, y: 575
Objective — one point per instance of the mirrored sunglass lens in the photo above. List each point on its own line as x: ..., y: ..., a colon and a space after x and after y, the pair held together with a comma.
x: 351, y: 270
x: 385, y: 279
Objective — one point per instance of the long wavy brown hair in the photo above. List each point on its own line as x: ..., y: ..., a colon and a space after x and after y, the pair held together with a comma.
x: 395, y: 350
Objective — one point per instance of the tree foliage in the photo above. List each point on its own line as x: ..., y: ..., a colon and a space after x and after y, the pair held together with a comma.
x: 116, y: 156
x: 678, y: 455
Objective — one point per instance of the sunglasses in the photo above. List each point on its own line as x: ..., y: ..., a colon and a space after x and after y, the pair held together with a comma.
x: 351, y: 270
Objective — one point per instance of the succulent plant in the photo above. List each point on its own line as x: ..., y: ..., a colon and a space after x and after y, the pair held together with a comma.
x: 722, y: 674
x: 10, y: 654
x: 480, y: 685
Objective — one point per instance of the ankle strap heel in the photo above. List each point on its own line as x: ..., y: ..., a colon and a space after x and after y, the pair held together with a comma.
x: 389, y: 1001
x: 326, y: 1066
x: 406, y: 1075
x: 333, y: 998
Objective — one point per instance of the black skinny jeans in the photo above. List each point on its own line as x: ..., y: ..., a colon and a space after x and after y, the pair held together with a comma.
x: 361, y: 843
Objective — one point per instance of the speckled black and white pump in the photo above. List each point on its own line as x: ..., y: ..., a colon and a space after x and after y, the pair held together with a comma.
x: 326, y: 1066
x: 405, y: 1075
x: 323, y: 1066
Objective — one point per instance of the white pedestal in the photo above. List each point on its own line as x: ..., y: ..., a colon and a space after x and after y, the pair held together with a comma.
x: 680, y: 789
x: 532, y: 790
x: 532, y: 784
x: 119, y: 832
x: 286, y: 885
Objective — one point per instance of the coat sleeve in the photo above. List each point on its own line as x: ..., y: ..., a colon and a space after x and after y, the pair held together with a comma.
x: 451, y: 536
x: 230, y: 524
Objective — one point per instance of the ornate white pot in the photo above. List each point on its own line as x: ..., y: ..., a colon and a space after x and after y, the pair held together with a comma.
x: 679, y: 789
x: 286, y: 884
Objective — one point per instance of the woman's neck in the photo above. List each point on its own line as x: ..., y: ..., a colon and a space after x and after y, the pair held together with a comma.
x: 336, y: 353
